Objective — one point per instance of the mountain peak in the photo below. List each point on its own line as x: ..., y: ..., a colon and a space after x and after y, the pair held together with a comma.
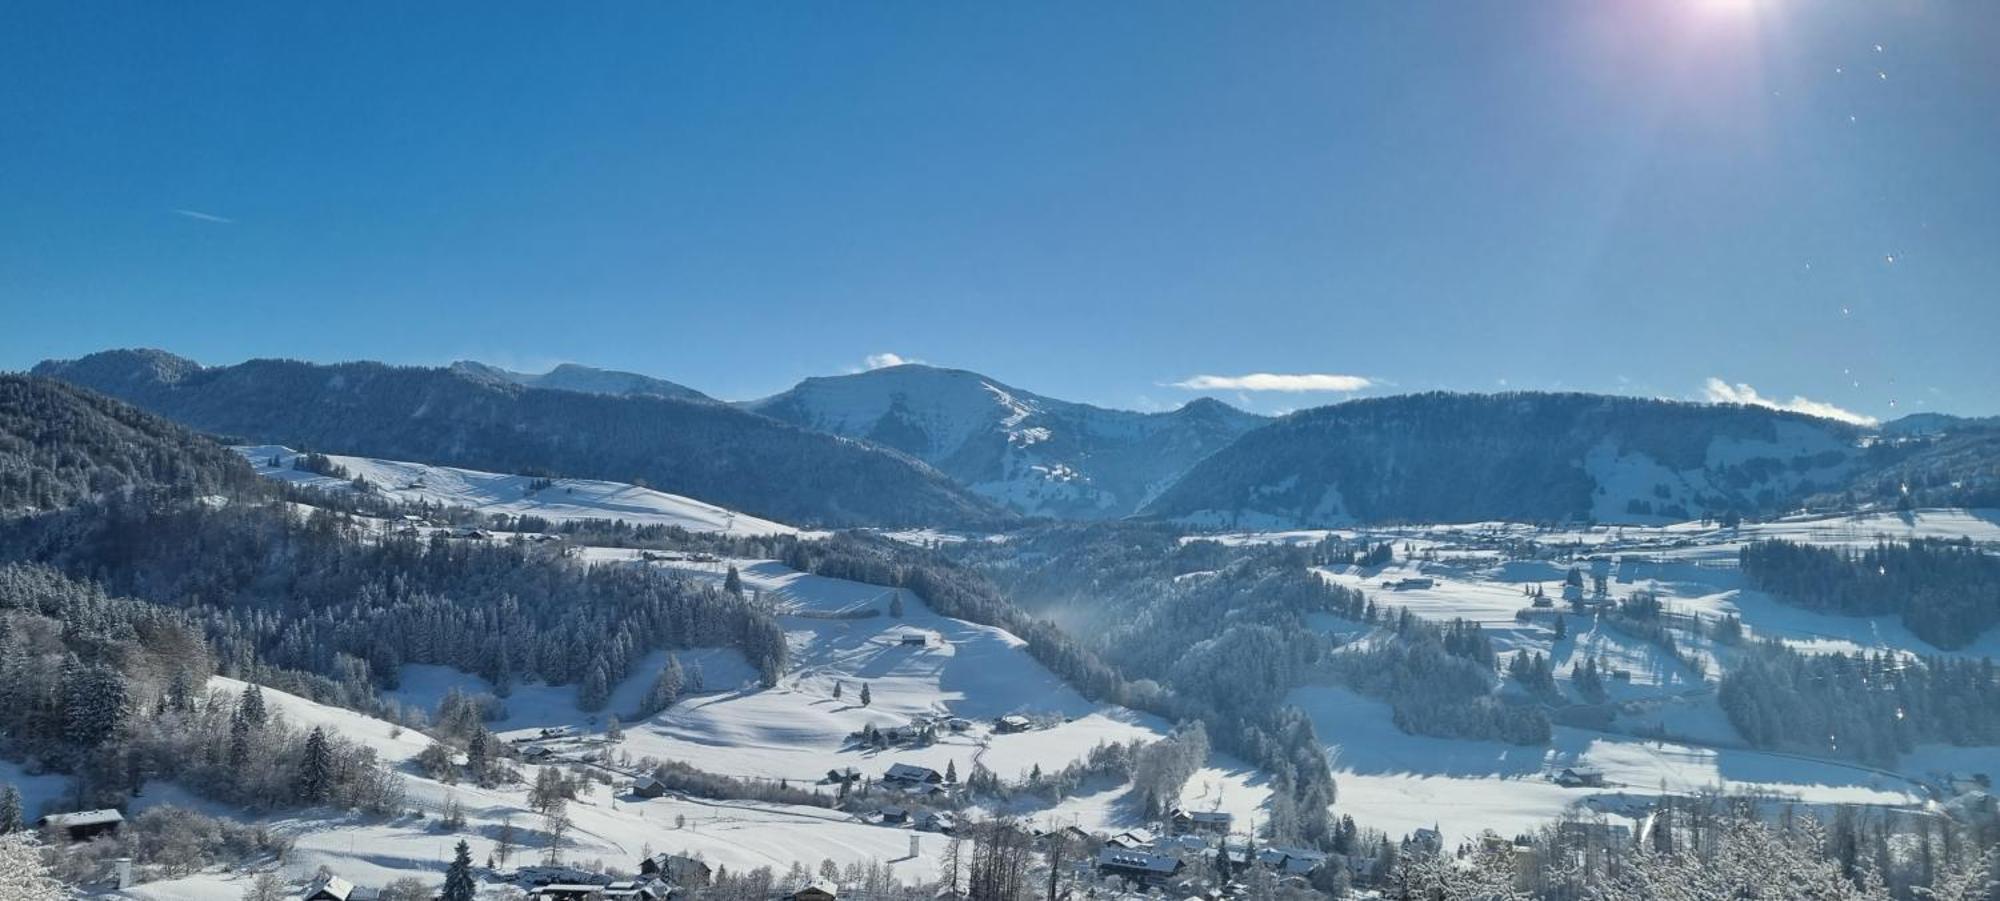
x: 582, y: 379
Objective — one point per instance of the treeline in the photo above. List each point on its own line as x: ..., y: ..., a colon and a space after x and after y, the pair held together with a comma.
x: 1439, y: 681
x: 278, y: 596
x: 1946, y: 592
x: 1868, y: 707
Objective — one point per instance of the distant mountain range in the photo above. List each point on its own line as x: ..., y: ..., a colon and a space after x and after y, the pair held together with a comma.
x: 705, y: 450
x: 586, y: 379
x: 920, y: 445
x: 1033, y: 454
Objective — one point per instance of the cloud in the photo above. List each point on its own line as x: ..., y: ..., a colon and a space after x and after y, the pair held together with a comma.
x: 1270, y: 381
x: 886, y: 359
x: 205, y: 217
x: 1720, y: 392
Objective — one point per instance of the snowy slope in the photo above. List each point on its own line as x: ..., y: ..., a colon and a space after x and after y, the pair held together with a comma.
x: 608, y: 827
x: 514, y: 495
x: 1033, y: 453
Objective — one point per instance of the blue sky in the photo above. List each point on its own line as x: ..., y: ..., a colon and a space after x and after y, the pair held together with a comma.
x: 1097, y: 201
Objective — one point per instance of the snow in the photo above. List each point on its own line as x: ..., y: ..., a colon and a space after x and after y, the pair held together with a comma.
x: 568, y: 500
x: 1398, y: 782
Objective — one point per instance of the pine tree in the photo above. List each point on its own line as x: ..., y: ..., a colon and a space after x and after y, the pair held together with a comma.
x: 951, y: 771
x: 10, y: 810
x: 733, y: 582
x: 866, y: 697
x: 896, y: 604
x: 315, y: 782
x: 596, y: 688
x: 665, y: 690
x: 251, y: 707
x: 458, y: 884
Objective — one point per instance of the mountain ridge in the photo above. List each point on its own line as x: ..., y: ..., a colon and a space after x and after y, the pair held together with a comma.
x: 710, y: 451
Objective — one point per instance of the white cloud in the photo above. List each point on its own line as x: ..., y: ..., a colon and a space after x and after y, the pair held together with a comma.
x: 1271, y: 381
x: 1721, y: 392
x: 205, y: 217
x: 885, y: 359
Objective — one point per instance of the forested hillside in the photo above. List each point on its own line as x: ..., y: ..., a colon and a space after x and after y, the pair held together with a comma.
x: 1947, y: 592
x: 703, y: 450
x: 60, y: 444
x: 1525, y: 457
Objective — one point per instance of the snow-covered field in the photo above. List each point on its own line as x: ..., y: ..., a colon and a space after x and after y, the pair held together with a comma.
x: 1398, y: 782
x: 514, y: 495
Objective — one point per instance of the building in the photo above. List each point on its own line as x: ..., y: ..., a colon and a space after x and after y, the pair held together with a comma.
x: 892, y: 816
x: 1139, y: 866
x: 1211, y: 821
x: 916, y: 639
x: 678, y: 869
x: 637, y: 890
x: 818, y: 891
x: 1012, y: 722
x: 1132, y: 840
x: 1409, y: 584
x: 937, y: 821
x: 1580, y: 777
x: 329, y: 888
x: 1291, y: 861
x: 649, y: 787
x: 566, y: 891
x: 84, y: 825
x: 843, y: 776
x: 906, y: 775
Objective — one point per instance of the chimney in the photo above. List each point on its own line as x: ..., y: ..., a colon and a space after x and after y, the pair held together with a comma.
x: 913, y: 845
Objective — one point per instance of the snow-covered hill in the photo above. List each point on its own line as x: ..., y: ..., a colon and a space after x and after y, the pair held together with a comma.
x: 1035, y: 454
x: 564, y: 500
x: 1522, y: 457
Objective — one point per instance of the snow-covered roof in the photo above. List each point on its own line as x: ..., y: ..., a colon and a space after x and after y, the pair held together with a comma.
x: 84, y: 818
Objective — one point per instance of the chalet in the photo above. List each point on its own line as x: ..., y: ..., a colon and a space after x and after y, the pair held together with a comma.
x: 1572, y: 593
x: 329, y: 888
x: 903, y: 774
x: 1131, y: 840
x: 818, y: 891
x: 937, y: 821
x: 1580, y: 777
x: 1212, y: 821
x: 1139, y: 866
x: 1427, y: 839
x: 648, y: 787
x: 84, y: 825
x: 678, y: 869
x: 958, y: 724
x: 1012, y: 722
x: 1291, y: 861
x: 915, y: 639
x: 892, y: 816
x: 1070, y: 833
x: 843, y: 776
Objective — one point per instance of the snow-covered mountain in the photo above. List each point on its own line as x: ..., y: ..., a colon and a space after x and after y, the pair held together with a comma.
x: 1518, y: 457
x: 1035, y: 454
x: 586, y: 379
x: 716, y: 452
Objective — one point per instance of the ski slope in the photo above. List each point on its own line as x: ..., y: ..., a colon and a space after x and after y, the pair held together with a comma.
x: 567, y: 500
